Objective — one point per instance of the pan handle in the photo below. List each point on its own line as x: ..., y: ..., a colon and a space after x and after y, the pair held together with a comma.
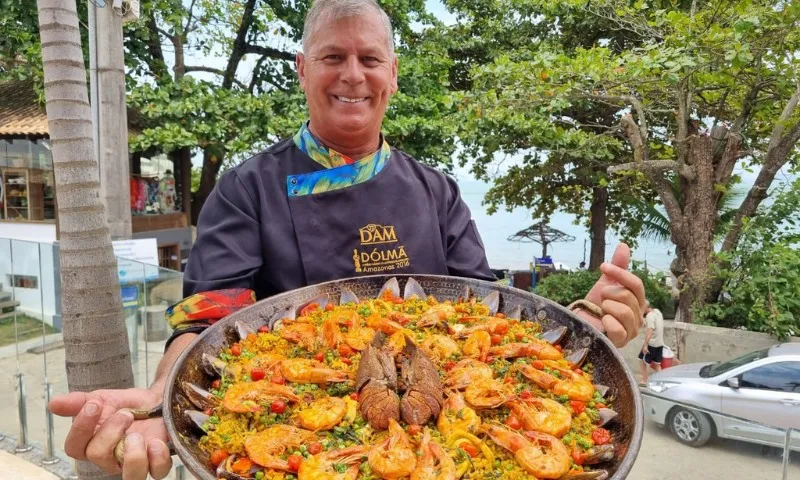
x: 155, y: 412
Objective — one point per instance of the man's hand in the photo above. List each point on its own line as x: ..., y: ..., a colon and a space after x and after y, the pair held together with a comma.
x: 620, y: 294
x: 645, y: 350
x: 101, y: 421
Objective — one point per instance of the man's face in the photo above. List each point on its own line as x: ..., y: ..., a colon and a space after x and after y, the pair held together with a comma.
x: 348, y: 75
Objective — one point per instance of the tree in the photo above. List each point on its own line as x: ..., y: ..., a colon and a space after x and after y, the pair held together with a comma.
x: 550, y: 174
x: 95, y: 338
x: 702, y: 89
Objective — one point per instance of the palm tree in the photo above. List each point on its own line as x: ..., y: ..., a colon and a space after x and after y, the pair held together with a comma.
x: 95, y: 338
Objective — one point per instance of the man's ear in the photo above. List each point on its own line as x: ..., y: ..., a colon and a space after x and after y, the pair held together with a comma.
x: 300, y: 62
x: 395, y: 88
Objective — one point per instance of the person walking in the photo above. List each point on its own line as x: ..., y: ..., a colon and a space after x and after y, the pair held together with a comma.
x: 653, y: 348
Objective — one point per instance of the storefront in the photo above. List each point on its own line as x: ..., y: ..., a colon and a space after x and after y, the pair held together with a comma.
x: 159, y: 183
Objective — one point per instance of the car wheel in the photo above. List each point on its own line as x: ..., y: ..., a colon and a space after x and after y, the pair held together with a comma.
x: 690, y: 427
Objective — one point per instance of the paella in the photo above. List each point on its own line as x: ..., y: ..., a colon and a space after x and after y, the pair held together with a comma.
x: 402, y: 386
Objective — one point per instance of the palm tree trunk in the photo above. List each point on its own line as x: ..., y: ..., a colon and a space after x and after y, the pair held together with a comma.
x: 95, y: 338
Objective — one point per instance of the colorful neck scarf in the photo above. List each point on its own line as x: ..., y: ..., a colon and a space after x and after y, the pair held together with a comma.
x: 340, y: 170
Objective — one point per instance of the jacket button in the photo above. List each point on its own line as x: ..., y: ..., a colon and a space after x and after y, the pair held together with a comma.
x: 294, y: 192
x: 294, y: 181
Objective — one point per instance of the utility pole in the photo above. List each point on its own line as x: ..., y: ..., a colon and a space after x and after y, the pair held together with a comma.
x: 109, y: 114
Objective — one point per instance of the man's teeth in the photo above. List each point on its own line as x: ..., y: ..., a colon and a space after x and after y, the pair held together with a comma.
x: 350, y: 100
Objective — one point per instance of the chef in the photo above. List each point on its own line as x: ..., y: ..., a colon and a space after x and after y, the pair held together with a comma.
x: 333, y: 201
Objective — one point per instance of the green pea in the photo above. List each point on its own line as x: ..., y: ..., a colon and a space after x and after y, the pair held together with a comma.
x: 259, y: 475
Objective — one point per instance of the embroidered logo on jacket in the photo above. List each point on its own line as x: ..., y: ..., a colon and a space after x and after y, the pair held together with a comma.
x: 377, y: 254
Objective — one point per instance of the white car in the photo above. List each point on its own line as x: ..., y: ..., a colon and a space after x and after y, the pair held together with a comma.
x: 741, y: 399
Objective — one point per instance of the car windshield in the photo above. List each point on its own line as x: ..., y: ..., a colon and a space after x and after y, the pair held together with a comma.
x: 722, y: 367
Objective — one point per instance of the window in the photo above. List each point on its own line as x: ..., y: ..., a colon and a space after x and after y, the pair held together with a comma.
x: 24, y: 281
x: 780, y: 376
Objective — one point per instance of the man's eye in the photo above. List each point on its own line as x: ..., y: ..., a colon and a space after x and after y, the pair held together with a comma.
x: 333, y: 57
x: 370, y: 60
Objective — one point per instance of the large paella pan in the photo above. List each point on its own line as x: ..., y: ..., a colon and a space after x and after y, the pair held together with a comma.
x: 423, y: 377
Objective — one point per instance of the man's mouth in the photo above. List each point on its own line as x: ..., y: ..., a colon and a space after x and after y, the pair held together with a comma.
x: 350, y: 99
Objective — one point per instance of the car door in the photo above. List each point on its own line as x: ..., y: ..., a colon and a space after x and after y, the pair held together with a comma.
x: 769, y: 394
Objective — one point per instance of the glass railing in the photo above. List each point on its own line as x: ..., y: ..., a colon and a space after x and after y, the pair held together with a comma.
x: 32, y: 357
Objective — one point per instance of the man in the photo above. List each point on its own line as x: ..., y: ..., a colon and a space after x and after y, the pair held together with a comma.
x: 335, y: 201
x: 653, y: 348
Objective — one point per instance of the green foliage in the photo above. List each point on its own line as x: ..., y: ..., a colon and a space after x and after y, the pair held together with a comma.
x: 761, y: 290
x: 565, y: 288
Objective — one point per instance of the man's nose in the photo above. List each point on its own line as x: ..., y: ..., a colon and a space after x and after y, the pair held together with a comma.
x: 352, y: 73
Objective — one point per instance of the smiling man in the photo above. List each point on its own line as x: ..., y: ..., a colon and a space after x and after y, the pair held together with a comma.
x: 334, y: 201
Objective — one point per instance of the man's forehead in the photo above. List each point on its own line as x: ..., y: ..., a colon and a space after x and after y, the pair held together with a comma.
x: 367, y: 40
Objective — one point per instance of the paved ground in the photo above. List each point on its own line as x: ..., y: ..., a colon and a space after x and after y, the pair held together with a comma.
x: 660, y: 458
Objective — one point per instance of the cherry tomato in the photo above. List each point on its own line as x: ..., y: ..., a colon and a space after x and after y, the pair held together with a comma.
x: 578, y: 456
x: 242, y: 465
x: 449, y: 365
x: 578, y: 371
x: 398, y: 300
x: 319, y: 356
x: 236, y: 350
x: 257, y: 374
x: 208, y: 411
x: 217, y: 456
x: 345, y: 350
x: 305, y: 311
x: 519, y: 336
x: 559, y: 348
x: 263, y: 329
x: 347, y: 361
x: 513, y: 422
x: 577, y: 407
x: 508, y: 379
x: 414, y: 429
x: 497, y: 339
x: 294, y: 462
x: 538, y: 364
x: 471, y: 449
x: 501, y: 315
x: 502, y: 329
x: 601, y: 436
x: 215, y: 384
x: 278, y: 379
x: 489, y: 359
x: 277, y: 407
x: 600, y: 405
x: 526, y: 394
x: 329, y: 307
x: 314, y: 448
x: 354, y: 396
x: 252, y: 337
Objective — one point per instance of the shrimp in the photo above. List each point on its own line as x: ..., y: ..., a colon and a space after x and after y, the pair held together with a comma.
x: 330, y: 333
x: 542, y: 350
x: 488, y: 393
x: 490, y: 325
x: 327, y: 465
x: 251, y: 396
x: 303, y: 370
x: 456, y: 415
x: 301, y: 333
x: 465, y: 372
x: 541, y: 455
x: 542, y: 415
x: 322, y: 414
x: 436, y: 315
x: 265, y: 447
x: 478, y: 345
x: 264, y: 361
x: 434, y: 464
x: 359, y: 337
x: 379, y: 322
x: 393, y: 457
x: 440, y: 347
x: 575, y: 386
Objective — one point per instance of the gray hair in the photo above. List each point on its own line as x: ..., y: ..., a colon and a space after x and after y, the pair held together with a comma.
x: 334, y: 10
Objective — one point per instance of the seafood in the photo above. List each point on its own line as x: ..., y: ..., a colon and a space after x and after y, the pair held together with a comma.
x: 488, y: 393
x: 358, y: 338
x: 542, y: 415
x: 339, y: 464
x: 440, y: 347
x: 457, y: 415
x: 466, y: 372
x: 394, y: 457
x: 572, y: 384
x: 541, y: 350
x: 303, y: 370
x: 331, y: 334
x: 434, y: 464
x: 478, y: 345
x: 423, y: 396
x: 322, y: 414
x: 301, y: 333
x: 490, y: 325
x: 437, y: 315
x: 266, y: 447
x: 541, y: 455
x: 376, y: 382
x: 251, y: 397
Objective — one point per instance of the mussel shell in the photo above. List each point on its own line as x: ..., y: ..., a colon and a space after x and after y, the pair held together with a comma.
x: 590, y: 475
x: 348, y: 297
x: 196, y: 419
x: 606, y: 416
x: 225, y: 470
x: 413, y: 288
x: 492, y: 301
x: 577, y: 357
x: 465, y: 294
x: 515, y: 313
x: 212, y: 366
x: 199, y: 397
x: 288, y: 313
x: 320, y: 300
x: 599, y: 454
x: 391, y: 285
x: 556, y: 335
x: 243, y: 330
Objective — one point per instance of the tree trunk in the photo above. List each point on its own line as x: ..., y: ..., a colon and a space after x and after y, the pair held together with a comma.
x: 598, y: 224
x: 95, y: 338
x: 208, y: 179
